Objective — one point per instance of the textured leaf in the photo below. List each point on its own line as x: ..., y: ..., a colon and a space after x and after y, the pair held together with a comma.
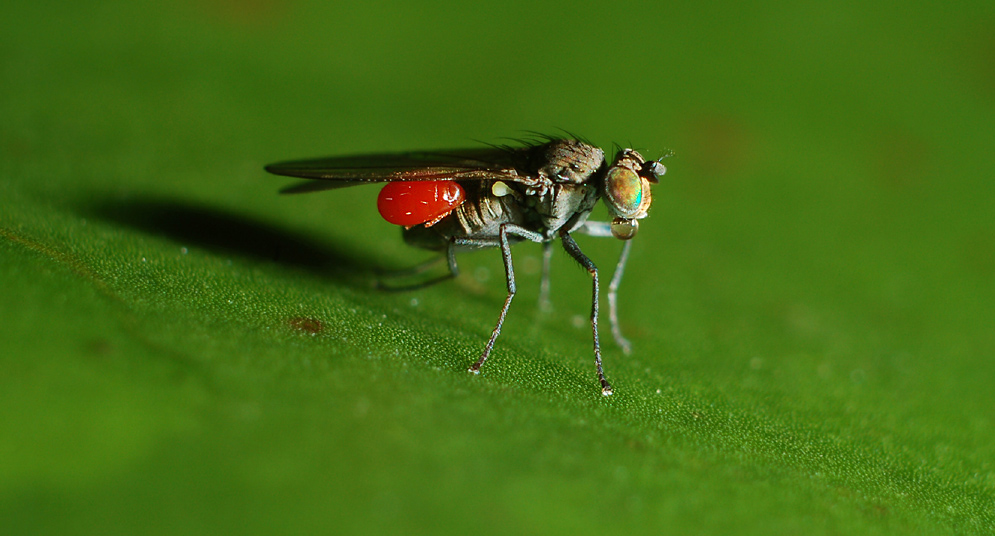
x: 810, y: 303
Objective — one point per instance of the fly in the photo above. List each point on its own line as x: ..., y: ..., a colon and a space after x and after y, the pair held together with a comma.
x: 454, y: 200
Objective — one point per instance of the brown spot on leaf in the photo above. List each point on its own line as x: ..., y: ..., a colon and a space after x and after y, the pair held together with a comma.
x: 311, y: 326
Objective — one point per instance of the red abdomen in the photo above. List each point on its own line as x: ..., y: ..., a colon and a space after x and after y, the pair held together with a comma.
x: 415, y: 202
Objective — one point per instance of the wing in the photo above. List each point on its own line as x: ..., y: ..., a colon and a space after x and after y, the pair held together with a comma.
x: 489, y: 163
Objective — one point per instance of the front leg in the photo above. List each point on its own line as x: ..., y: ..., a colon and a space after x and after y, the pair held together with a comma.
x: 574, y: 250
x: 603, y: 229
x: 613, y: 299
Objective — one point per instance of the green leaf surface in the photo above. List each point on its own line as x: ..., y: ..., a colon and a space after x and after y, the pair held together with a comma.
x: 184, y: 351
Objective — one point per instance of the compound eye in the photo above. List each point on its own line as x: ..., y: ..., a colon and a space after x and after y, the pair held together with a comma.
x: 624, y: 229
x: 624, y: 192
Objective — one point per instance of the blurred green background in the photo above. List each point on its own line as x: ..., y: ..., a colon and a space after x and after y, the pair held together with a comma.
x: 811, y: 301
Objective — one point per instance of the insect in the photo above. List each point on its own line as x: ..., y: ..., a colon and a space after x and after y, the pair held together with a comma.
x: 453, y: 200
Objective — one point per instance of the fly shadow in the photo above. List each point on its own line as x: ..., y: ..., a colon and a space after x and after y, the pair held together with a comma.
x: 227, y: 233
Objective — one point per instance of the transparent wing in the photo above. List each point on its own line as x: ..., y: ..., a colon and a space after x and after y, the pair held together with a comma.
x: 489, y: 163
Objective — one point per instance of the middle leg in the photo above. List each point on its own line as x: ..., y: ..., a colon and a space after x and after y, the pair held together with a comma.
x: 574, y: 250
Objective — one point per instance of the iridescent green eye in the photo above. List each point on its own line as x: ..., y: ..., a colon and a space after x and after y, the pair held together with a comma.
x: 623, y: 192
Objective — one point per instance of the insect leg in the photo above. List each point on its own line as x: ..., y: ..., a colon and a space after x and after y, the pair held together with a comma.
x: 603, y: 229
x: 600, y: 229
x: 416, y: 270
x: 613, y: 298
x: 509, y: 272
x: 547, y: 255
x: 409, y: 272
x: 451, y: 258
x: 574, y: 250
